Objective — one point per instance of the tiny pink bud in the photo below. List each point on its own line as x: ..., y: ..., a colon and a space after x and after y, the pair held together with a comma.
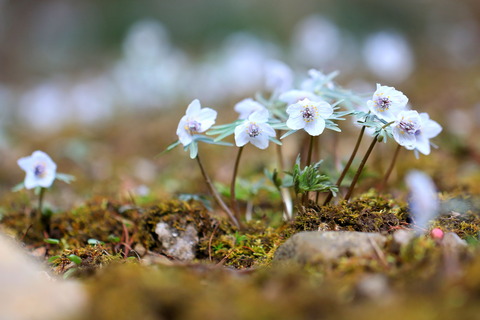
x: 436, y: 233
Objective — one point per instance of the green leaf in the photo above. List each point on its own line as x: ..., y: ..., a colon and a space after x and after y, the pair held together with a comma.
x: 52, y: 259
x: 69, y: 273
x: 51, y: 241
x: 67, y: 178
x: 75, y: 259
x: 18, y: 187
x: 193, y: 146
x: 170, y: 147
x: 94, y: 242
x: 275, y: 140
x: 113, y: 239
x: 288, y: 133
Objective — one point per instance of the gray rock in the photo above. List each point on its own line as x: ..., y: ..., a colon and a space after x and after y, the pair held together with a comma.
x: 452, y: 241
x: 28, y: 292
x: 177, y: 244
x: 313, y: 246
x: 403, y: 237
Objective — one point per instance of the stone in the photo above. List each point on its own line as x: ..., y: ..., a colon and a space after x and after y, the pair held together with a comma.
x: 319, y: 246
x: 28, y: 292
x: 452, y: 241
x: 403, y: 237
x: 177, y: 244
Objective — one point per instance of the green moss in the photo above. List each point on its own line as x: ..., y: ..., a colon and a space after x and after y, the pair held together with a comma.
x: 85, y: 261
x: 367, y: 213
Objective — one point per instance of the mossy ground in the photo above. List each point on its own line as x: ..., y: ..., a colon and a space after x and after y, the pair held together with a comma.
x: 233, y: 275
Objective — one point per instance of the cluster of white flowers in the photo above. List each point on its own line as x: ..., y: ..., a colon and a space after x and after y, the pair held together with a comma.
x: 304, y: 109
x: 411, y: 129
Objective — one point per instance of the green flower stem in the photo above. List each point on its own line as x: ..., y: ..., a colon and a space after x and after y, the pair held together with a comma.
x: 310, y: 151
x: 309, y: 161
x: 233, y: 200
x: 390, y: 168
x: 360, y: 169
x: 347, y: 166
x: 40, y: 201
x: 216, y: 195
x: 284, y: 193
x: 362, y: 164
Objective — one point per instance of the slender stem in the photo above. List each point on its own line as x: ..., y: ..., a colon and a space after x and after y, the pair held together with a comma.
x: 309, y: 161
x: 390, y: 168
x: 216, y: 195
x: 233, y: 200
x: 360, y: 168
x: 40, y: 200
x: 347, y: 166
x: 284, y: 193
x: 310, y: 151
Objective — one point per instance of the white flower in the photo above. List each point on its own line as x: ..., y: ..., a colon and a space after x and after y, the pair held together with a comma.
x: 196, y: 120
x: 414, y: 131
x: 316, y: 79
x: 294, y: 96
x: 255, y: 130
x: 387, y: 102
x: 40, y: 169
x: 423, y: 202
x: 246, y: 107
x: 278, y: 76
x: 309, y: 115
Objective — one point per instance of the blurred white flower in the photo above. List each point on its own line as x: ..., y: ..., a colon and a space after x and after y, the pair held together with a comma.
x: 40, y: 170
x: 388, y: 55
x: 196, y: 120
x: 309, y: 115
x: 387, y: 102
x: 315, y: 80
x: 278, y: 76
x: 246, y: 107
x: 255, y: 130
x: 414, y: 131
x: 294, y: 96
x: 423, y: 201
x: 316, y: 41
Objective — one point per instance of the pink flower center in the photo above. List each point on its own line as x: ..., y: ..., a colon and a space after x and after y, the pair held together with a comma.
x: 193, y: 126
x: 253, y: 130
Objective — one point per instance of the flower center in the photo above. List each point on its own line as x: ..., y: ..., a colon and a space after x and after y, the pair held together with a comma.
x: 193, y: 126
x: 39, y: 170
x: 309, y: 113
x: 409, y: 127
x: 253, y: 130
x: 383, y: 103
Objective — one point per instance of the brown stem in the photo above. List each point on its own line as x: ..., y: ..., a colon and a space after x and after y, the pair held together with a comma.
x: 347, y: 166
x: 216, y: 195
x: 390, y: 169
x: 233, y: 200
x: 360, y: 168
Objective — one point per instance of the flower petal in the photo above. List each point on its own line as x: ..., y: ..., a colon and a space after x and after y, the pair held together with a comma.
x: 241, y: 135
x: 259, y: 116
x: 193, y: 108
x: 267, y: 129
x: 324, y: 109
x: 296, y: 122
x: 316, y: 127
x: 261, y: 141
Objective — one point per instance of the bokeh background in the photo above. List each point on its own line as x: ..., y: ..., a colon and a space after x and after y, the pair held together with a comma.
x: 101, y: 85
